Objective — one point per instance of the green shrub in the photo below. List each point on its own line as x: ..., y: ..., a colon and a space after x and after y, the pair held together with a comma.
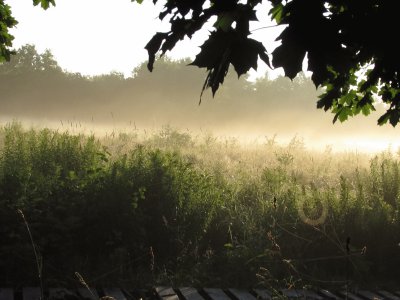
x: 197, y: 211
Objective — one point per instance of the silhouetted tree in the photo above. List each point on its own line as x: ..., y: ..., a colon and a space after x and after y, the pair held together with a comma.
x: 346, y: 42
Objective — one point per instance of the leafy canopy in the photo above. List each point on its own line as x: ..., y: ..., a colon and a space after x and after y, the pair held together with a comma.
x: 350, y: 46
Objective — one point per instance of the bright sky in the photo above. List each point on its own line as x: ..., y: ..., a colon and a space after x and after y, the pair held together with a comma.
x: 99, y: 36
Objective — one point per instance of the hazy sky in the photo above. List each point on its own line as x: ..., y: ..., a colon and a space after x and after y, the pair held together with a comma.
x: 99, y: 36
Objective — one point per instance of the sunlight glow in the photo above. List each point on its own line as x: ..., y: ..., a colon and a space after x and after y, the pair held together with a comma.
x: 93, y: 37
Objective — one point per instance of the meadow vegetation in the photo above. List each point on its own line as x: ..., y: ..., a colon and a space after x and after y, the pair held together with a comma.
x: 176, y: 208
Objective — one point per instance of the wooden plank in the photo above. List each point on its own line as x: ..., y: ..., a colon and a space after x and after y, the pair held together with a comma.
x: 350, y: 295
x: 216, y: 294
x: 309, y: 294
x: 369, y: 295
x: 388, y: 295
x: 291, y: 293
x: 328, y: 295
x: 300, y: 293
x: 6, y: 294
x: 166, y: 293
x: 85, y: 294
x: 262, y: 294
x: 61, y: 293
x: 31, y: 293
x: 190, y: 293
x: 116, y: 293
x: 242, y: 294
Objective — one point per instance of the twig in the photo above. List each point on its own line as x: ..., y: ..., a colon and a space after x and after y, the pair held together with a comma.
x: 83, y: 282
x: 38, y: 257
x: 293, y: 234
x: 265, y: 27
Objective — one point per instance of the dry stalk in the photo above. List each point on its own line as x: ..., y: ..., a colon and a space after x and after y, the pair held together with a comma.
x: 38, y: 257
x: 83, y: 282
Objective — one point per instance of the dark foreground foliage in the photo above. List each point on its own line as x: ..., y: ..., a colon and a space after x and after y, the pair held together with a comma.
x: 184, y: 211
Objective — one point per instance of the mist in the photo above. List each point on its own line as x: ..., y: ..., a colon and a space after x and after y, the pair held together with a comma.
x: 37, y: 92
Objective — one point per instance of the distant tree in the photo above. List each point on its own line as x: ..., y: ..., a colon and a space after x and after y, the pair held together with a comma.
x: 48, y: 62
x: 27, y: 60
x: 349, y: 44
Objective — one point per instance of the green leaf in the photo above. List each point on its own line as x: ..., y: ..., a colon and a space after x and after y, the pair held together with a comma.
x: 383, y: 119
x: 45, y: 4
x: 6, y: 22
x: 348, y: 98
x: 327, y: 99
x: 343, y: 114
x: 367, y: 108
x: 276, y: 13
x: 224, y: 21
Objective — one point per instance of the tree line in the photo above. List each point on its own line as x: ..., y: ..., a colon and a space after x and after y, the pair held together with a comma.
x: 34, y: 86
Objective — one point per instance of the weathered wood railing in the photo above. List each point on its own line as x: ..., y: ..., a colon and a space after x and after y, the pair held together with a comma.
x: 189, y: 293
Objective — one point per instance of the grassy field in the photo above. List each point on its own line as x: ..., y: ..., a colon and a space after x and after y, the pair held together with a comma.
x: 171, y: 207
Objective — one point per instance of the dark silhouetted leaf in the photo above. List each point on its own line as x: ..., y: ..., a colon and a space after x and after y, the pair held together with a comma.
x: 224, y: 21
x: 214, y: 49
x: 289, y: 55
x: 394, y: 117
x: 244, y: 55
x: 153, y: 46
x: 215, y: 55
x: 383, y: 119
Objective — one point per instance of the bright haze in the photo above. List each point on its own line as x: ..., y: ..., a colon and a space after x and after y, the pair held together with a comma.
x: 94, y: 37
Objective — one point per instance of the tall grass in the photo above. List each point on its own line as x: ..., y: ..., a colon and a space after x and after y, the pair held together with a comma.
x: 176, y: 208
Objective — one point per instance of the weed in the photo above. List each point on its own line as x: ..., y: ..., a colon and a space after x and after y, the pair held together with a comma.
x: 203, y: 205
